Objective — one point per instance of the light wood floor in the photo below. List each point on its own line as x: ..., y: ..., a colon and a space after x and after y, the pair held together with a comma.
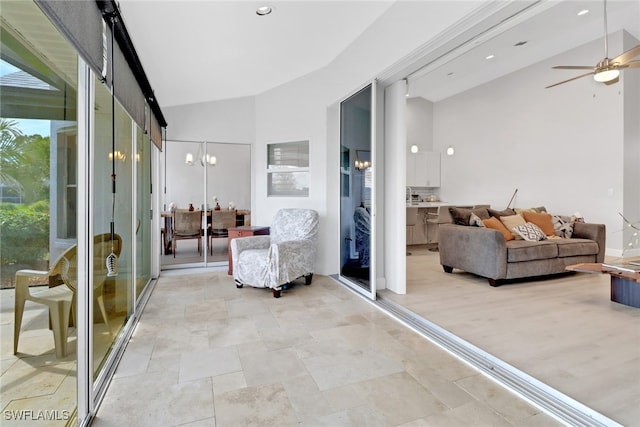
x: 563, y: 331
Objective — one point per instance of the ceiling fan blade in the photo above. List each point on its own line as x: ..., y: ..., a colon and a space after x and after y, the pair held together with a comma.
x: 573, y: 67
x: 571, y: 79
x: 627, y: 56
x: 632, y: 64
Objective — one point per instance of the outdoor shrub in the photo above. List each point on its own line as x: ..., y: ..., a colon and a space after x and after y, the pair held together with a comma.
x: 24, y: 231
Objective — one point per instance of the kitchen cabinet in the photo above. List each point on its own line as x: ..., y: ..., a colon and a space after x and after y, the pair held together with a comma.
x: 423, y: 169
x: 423, y: 232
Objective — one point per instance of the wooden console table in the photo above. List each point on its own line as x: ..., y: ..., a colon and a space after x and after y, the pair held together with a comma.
x: 625, y: 282
x: 244, y: 231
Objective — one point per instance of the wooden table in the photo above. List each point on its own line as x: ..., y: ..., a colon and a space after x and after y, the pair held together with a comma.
x: 625, y: 282
x: 245, y: 231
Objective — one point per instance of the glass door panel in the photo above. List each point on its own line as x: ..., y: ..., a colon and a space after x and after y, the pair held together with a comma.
x: 143, y: 209
x: 185, y: 168
x: 357, y: 192
x: 38, y: 212
x: 228, y: 189
x: 112, y: 226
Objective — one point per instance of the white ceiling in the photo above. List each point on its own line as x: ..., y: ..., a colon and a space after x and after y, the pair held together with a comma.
x: 198, y: 51
x: 550, y: 30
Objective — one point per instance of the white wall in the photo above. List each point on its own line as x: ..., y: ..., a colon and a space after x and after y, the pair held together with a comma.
x: 300, y: 109
x: 420, y: 123
x: 231, y: 120
x: 562, y: 147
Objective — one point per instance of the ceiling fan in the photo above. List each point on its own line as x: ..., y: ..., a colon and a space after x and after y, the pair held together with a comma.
x: 606, y: 71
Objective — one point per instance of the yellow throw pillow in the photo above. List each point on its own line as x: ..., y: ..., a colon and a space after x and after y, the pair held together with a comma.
x: 511, y: 221
x: 495, y: 223
x: 542, y: 220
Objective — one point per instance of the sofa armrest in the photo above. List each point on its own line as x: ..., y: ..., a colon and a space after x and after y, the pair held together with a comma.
x: 477, y: 250
x: 595, y: 232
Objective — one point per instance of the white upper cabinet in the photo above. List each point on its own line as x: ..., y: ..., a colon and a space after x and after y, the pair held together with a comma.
x: 423, y: 169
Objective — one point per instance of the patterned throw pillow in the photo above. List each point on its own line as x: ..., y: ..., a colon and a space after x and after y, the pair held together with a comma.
x: 476, y: 220
x: 563, y: 226
x: 530, y: 232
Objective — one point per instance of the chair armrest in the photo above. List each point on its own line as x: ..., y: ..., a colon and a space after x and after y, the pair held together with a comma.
x: 240, y: 244
x: 250, y: 242
x: 21, y: 282
x: 476, y: 250
x: 295, y: 246
x: 32, y: 273
x: 595, y: 232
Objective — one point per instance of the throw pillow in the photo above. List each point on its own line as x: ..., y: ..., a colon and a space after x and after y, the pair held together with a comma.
x: 538, y: 209
x: 530, y: 232
x: 498, y: 214
x: 495, y: 224
x: 563, y: 226
x: 542, y: 220
x: 461, y: 216
x: 511, y: 221
x: 475, y: 220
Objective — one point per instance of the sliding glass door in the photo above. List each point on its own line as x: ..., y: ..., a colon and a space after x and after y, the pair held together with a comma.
x: 213, y: 179
x: 357, y: 191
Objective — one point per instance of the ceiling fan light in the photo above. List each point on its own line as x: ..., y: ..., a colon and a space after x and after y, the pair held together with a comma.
x: 606, y: 75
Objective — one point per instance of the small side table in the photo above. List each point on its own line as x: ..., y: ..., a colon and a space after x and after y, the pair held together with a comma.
x: 244, y: 231
x: 625, y: 283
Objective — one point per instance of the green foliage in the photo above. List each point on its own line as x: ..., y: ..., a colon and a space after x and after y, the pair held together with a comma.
x: 24, y: 161
x: 24, y: 233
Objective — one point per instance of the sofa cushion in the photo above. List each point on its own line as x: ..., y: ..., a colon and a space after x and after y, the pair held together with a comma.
x: 461, y: 216
x: 538, y: 209
x: 523, y: 250
x: 576, y: 247
x: 495, y: 224
x: 498, y: 214
x: 542, y: 220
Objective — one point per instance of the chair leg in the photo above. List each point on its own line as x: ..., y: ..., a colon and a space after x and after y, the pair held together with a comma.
x: 17, y: 322
x: 59, y: 315
x: 103, y: 311
x: 173, y: 246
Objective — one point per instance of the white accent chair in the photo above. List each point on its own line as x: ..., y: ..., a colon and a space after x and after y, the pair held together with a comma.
x: 275, y: 260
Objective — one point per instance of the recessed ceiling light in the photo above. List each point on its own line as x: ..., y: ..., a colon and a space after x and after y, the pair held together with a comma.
x: 450, y: 73
x: 522, y: 43
x: 264, y: 10
x: 490, y: 57
x: 583, y: 12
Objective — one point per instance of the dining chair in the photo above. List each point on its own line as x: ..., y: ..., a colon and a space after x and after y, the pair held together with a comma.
x: 221, y: 222
x: 187, y: 225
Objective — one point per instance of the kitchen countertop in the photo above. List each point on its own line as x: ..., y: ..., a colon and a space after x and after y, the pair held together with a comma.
x: 429, y: 204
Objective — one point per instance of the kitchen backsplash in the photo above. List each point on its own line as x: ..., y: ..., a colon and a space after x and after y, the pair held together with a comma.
x: 423, y: 193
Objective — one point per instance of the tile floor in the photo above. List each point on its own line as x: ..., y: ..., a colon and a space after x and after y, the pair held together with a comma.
x: 208, y: 354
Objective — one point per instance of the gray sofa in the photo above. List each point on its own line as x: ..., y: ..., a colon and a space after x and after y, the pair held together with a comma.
x: 484, y: 252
